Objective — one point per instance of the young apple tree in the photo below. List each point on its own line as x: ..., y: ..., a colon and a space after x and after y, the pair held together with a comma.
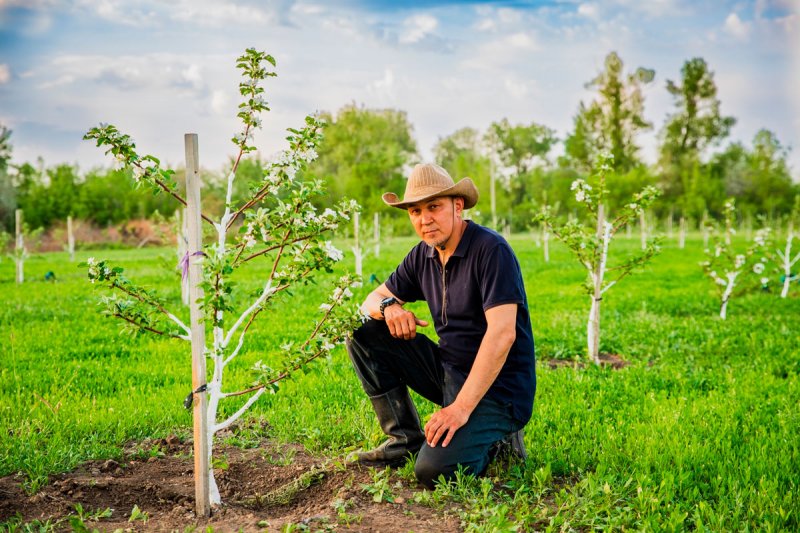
x: 787, y: 261
x: 741, y: 271
x: 277, y: 229
x: 591, y: 245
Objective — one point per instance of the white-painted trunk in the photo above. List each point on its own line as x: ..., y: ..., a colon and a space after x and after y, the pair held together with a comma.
x: 597, y: 273
x: 20, y: 247
x: 788, y: 261
x: 682, y: 234
x: 70, y: 239
x: 726, y: 295
x: 546, y: 244
x: 669, y: 224
x: 493, y: 197
x: 357, y: 244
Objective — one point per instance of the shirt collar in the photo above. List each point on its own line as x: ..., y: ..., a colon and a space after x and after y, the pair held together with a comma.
x: 463, y: 244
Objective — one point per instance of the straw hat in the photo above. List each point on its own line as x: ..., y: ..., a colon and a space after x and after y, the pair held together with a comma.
x: 432, y: 181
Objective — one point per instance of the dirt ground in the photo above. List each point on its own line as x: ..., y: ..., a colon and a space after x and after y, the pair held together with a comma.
x: 162, y: 486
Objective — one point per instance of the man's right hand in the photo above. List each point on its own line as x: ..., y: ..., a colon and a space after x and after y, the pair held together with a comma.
x: 402, y: 324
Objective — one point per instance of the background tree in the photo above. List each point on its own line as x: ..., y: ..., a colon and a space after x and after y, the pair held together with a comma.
x: 8, y: 193
x: 365, y: 153
x: 611, y: 122
x: 461, y: 154
x: 695, y: 125
x: 519, y: 149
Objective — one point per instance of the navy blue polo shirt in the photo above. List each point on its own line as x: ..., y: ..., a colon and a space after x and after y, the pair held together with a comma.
x: 482, y: 273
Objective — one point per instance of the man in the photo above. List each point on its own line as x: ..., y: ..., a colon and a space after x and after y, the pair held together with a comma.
x: 482, y: 371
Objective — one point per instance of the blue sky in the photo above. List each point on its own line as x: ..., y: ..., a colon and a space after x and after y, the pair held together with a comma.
x: 158, y: 69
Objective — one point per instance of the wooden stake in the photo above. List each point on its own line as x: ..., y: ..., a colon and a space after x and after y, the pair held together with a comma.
x: 70, y: 240
x: 195, y: 244
x: 20, y: 247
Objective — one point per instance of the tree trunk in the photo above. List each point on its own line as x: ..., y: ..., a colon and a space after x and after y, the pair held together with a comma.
x: 20, y: 247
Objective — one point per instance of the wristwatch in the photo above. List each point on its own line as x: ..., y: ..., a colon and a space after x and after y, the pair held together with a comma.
x: 386, y: 302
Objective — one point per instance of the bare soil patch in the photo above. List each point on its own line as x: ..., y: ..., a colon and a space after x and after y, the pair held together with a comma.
x: 163, y: 487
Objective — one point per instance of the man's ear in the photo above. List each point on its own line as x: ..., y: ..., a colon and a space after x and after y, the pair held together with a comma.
x: 458, y: 204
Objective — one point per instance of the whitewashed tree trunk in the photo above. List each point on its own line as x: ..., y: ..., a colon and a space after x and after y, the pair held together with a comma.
x: 376, y: 233
x: 70, y: 239
x: 357, y: 244
x: 628, y: 231
x: 788, y: 261
x: 682, y: 234
x: 597, y: 274
x: 643, y: 229
x: 20, y: 247
x: 546, y: 243
x: 726, y: 295
x: 704, y: 226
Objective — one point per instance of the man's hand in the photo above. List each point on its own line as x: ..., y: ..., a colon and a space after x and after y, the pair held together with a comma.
x: 446, y: 420
x: 402, y: 324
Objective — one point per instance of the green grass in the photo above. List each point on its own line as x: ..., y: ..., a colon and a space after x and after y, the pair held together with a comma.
x: 701, y: 431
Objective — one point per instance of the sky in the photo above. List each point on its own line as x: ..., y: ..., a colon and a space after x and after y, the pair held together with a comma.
x: 159, y: 69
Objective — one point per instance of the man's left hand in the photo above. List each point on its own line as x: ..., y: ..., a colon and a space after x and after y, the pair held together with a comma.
x: 445, y: 421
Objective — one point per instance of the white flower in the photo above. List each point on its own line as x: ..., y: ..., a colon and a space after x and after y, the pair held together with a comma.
x: 758, y: 268
x: 328, y: 213
x: 348, y: 293
x: 764, y: 281
x: 91, y: 261
x: 138, y: 172
x: 580, y: 196
x: 325, y: 307
x: 740, y: 259
x: 328, y: 345
x: 333, y: 252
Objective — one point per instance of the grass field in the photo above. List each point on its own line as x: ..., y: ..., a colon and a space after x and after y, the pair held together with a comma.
x: 702, y: 431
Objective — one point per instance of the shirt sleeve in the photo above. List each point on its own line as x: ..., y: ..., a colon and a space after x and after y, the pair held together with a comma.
x: 404, y: 281
x: 500, y: 278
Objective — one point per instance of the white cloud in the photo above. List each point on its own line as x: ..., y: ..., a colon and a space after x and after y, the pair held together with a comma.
x: 417, y: 27
x: 5, y: 73
x: 515, y: 88
x: 736, y: 27
x: 219, y: 101
x: 588, y: 10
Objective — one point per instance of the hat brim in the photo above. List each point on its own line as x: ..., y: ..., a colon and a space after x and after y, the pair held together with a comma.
x: 465, y: 188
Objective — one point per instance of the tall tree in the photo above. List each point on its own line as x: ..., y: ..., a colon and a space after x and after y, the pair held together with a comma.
x: 695, y: 125
x: 364, y: 154
x: 462, y: 155
x: 519, y: 148
x: 611, y: 122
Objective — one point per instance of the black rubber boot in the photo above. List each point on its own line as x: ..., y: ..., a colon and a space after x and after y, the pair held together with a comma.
x: 399, y: 420
x: 510, y: 446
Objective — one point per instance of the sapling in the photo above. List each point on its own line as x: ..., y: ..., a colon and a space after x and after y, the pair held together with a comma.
x: 787, y: 261
x: 278, y: 228
x: 740, y: 271
x: 591, y: 245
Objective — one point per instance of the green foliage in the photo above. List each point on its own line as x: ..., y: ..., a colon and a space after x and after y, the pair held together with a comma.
x: 612, y: 121
x: 364, y: 155
x: 703, y: 422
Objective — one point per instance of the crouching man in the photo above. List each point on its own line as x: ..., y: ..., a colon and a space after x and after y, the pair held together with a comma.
x: 482, y: 372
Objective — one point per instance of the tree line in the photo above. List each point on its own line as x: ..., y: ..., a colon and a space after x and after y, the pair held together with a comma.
x: 368, y: 151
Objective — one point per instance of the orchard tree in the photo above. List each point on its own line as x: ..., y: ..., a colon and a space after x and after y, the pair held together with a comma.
x: 695, y: 125
x: 8, y: 193
x: 735, y: 272
x: 461, y: 154
x: 366, y: 152
x: 610, y: 123
x: 787, y: 261
x: 279, y: 229
x: 590, y: 245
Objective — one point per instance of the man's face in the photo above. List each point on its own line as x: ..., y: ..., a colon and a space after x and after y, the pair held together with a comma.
x: 434, y: 220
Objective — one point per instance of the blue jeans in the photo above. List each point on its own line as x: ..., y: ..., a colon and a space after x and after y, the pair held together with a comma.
x: 383, y: 363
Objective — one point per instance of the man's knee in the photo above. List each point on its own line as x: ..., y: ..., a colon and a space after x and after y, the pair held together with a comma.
x: 432, y: 464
